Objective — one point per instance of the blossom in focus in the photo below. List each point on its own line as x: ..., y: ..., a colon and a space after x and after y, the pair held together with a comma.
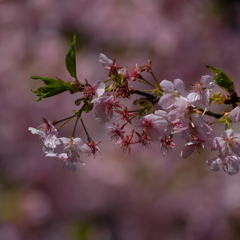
x: 115, y: 132
x: 173, y: 92
x: 201, y: 92
x: 109, y: 64
x: 48, y: 134
x: 125, y: 115
x: 71, y: 149
x: 104, y: 106
x: 195, y: 127
x: 154, y: 126
x: 97, y: 89
x: 181, y: 110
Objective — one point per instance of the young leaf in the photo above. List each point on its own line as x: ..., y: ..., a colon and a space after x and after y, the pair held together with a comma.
x: 45, y: 92
x: 70, y: 59
x: 53, y: 87
x: 223, y: 80
x: 50, y: 82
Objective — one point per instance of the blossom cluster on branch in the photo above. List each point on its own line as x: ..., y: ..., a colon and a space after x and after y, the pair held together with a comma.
x: 157, y: 115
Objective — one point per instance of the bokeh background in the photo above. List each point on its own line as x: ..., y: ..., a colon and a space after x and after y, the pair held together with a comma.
x: 144, y: 196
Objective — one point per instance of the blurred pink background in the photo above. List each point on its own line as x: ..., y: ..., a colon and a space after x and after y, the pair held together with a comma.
x: 144, y: 196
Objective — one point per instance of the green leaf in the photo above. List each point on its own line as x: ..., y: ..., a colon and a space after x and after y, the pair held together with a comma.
x: 70, y: 59
x: 53, y: 87
x: 50, y: 82
x: 45, y: 92
x: 223, y: 80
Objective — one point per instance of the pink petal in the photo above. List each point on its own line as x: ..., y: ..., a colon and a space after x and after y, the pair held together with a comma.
x: 167, y: 86
x: 179, y: 85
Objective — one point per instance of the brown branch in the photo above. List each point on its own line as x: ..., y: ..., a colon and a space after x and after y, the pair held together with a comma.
x: 149, y: 96
x: 211, y: 114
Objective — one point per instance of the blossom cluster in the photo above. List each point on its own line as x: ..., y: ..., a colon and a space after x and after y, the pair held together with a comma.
x: 158, y: 115
x: 66, y: 150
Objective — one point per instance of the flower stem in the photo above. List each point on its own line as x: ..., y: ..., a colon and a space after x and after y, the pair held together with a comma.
x: 64, y: 123
x: 89, y: 138
x: 68, y: 118
x: 78, y: 116
x: 146, y: 82
x: 154, y: 78
x: 75, y: 126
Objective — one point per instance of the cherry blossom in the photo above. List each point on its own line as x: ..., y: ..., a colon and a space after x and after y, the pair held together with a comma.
x: 162, y: 113
x: 105, y: 61
x: 153, y: 125
x: 109, y: 64
x: 104, y: 106
x: 97, y: 89
x: 167, y: 144
x: 126, y: 142
x: 173, y: 91
x: 229, y: 164
x: 191, y: 146
x: 48, y: 134
x: 181, y: 110
x: 201, y: 92
x: 228, y: 143
x: 116, y: 132
x: 143, y: 140
x: 135, y: 73
x: 71, y: 149
x: 94, y: 148
x: 235, y: 114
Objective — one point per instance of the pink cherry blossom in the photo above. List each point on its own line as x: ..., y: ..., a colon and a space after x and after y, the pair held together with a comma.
x: 97, y: 89
x: 173, y: 91
x: 167, y: 144
x: 104, y: 106
x: 109, y: 64
x: 71, y: 149
x: 235, y: 114
x: 181, y: 110
x: 116, y: 132
x: 228, y: 143
x: 48, y: 134
x: 126, y: 143
x: 153, y: 125
x: 94, y: 148
x: 135, y: 74
x: 200, y: 129
x: 229, y: 164
x: 201, y: 92
x: 105, y: 61
x: 192, y: 146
